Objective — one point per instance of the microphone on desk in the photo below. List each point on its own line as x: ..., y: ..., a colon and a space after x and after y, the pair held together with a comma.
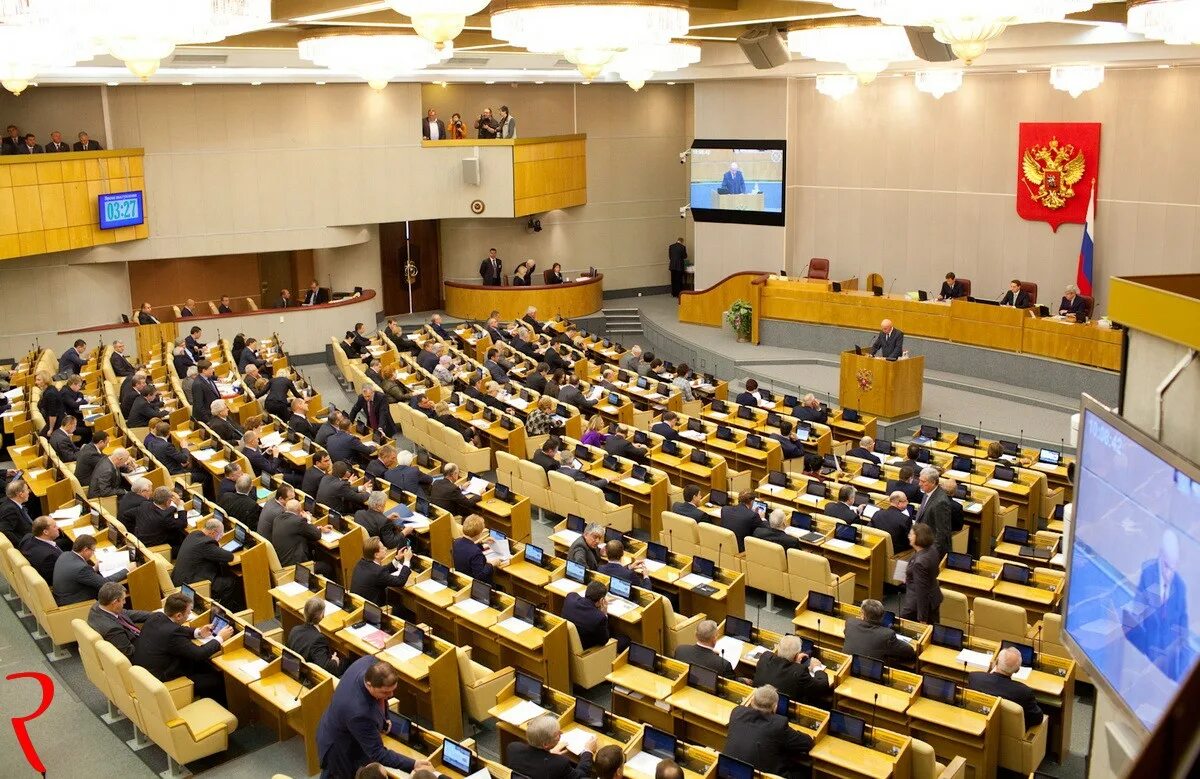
x: 818, y: 635
x: 1021, y: 441
x: 1037, y: 639
x: 874, y: 708
x: 804, y: 272
x: 889, y: 291
x: 979, y: 436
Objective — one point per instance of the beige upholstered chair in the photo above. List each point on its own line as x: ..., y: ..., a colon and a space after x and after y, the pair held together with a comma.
x: 536, y: 483
x: 562, y: 494
x: 924, y: 761
x: 11, y: 563
x: 480, y: 684
x: 808, y: 571
x: 590, y: 667
x: 719, y: 544
x: 506, y: 469
x: 594, y: 507
x: 187, y: 733
x: 681, y: 629
x: 998, y: 621
x: 766, y: 569
x: 954, y: 611
x: 1020, y: 750
x: 53, y: 619
x: 475, y: 459
x: 678, y: 533
x: 86, y: 639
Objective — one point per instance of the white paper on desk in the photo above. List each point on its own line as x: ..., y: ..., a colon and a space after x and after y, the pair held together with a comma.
x: 292, y: 589
x: 998, y: 483
x: 694, y: 580
x: 576, y: 740
x: 521, y: 713
x: 1058, y: 559
x: 631, y: 482
x: 252, y: 668
x: 429, y: 586
x: 330, y: 609
x: 417, y: 521
x: 402, y: 652
x: 565, y: 586
x: 839, y: 544
x: 973, y: 508
x: 806, y: 498
x: 111, y: 563
x: 977, y: 659
x: 514, y: 625
x: 70, y: 512
x: 731, y: 649
x: 477, y: 486
x: 718, y: 415
x: 619, y: 607
x: 1042, y: 467
x: 653, y: 565
x: 518, y: 402
x: 692, y: 435
x: 567, y: 537
x: 13, y: 393
x: 218, y: 463
x: 958, y: 474
x: 271, y: 439
x: 870, y: 510
x: 1022, y: 673
x: 470, y: 606
x: 482, y: 773
x: 901, y: 569
x: 644, y: 763
x: 481, y: 423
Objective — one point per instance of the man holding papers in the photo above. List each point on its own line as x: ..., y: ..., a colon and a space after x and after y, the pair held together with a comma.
x: 543, y: 756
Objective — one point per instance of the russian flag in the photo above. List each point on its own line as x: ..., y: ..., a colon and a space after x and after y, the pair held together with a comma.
x: 1083, y: 273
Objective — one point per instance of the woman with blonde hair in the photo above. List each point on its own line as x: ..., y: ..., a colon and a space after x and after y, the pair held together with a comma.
x: 541, y: 420
x: 594, y: 435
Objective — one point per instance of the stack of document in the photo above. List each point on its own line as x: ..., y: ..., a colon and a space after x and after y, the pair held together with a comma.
x: 521, y: 713
x: 271, y: 439
x: 429, y: 586
x: 694, y: 580
x: 618, y: 607
x: 977, y: 659
x: 576, y: 740
x: 644, y: 763
x: 731, y: 649
x: 653, y: 565
x: 251, y: 668
x: 370, y: 634
x: 402, y: 653
x: 514, y: 625
x: 631, y: 482
x: 477, y: 486
x: 470, y: 606
x: 292, y: 589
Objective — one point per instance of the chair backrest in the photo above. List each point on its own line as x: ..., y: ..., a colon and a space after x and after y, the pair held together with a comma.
x: 87, y: 639
x: 506, y: 464
x: 590, y: 496
x: 966, y: 285
x: 1052, y: 628
x: 546, y: 276
x: 1089, y: 305
x: 678, y: 533
x: 810, y: 567
x: 562, y: 485
x: 766, y: 566
x: 1012, y: 720
x: 954, y: 611
x: 534, y: 475
x: 715, y: 541
x: 924, y: 760
x: 38, y: 597
x: 996, y: 621
x: 818, y: 268
x: 1030, y: 288
x: 116, y: 667
x: 466, y: 670
x: 154, y: 701
x: 573, y: 639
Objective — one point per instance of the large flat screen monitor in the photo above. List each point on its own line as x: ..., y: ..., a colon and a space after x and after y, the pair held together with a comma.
x: 738, y: 181
x: 1133, y: 576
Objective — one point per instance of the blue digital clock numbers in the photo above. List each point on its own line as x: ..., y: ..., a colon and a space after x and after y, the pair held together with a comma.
x: 121, y: 209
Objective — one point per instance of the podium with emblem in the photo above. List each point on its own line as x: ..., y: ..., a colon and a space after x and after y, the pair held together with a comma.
x: 890, y: 389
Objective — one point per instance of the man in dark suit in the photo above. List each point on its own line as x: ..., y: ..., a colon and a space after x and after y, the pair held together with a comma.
x: 667, y: 427
x: 703, y: 653
x: 293, y: 537
x: 935, y: 509
x: 889, y: 343
x: 589, y: 614
x: 547, y: 456
x: 167, y: 649
x: 241, y: 504
x: 161, y: 520
x: 159, y: 444
x: 129, y: 503
x: 344, y: 446
x: 131, y: 389
x: 224, y: 307
x: 691, y: 504
x: 844, y: 508
x: 106, y: 477
x: 1072, y: 304
x: 427, y: 359
x: 764, y: 739
x: 372, y: 577
x: 374, y: 407
x: 61, y: 440
x: 315, y: 296
x: 676, y: 257
x: 321, y: 467
x: 116, y: 624
x: 741, y: 518
x: 201, y: 558
x: 621, y: 445
x: 408, y: 477
x: 773, y: 531
x: 285, y: 299
x: 585, y: 550
x: 999, y: 682
x: 298, y: 421
x: 788, y: 442
x: 435, y: 324
x: 615, y: 568
x: 864, y: 450
x: 432, y: 128
x: 86, y: 144
x: 72, y: 360
x: 75, y: 580
x: 29, y: 145
x: 869, y: 638
x: 43, y: 546
x: 542, y: 758
x: 793, y: 674
x: 733, y: 182
x: 146, y: 315
x: 1015, y: 297
x: 951, y: 288
x: 895, y: 521
x: 204, y: 392
x: 747, y: 397
x: 349, y: 735
x: 120, y: 363
x: 1157, y: 620
x: 957, y: 514
x: 906, y: 484
x: 447, y: 492
x: 11, y: 139
x: 307, y: 640
x: 222, y: 423
x: 89, y: 455
x: 809, y: 410
x: 490, y: 269
x: 922, y: 593
x: 336, y: 492
x: 146, y: 406
x: 57, y: 145
x: 380, y: 525
x: 181, y: 360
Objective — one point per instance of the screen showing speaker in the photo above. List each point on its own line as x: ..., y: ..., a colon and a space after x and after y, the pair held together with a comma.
x: 738, y: 181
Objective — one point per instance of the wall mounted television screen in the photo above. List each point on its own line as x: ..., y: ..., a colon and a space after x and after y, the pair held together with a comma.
x: 738, y: 181
x: 1132, y: 617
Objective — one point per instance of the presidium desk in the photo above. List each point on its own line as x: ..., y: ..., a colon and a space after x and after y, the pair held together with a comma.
x: 573, y: 299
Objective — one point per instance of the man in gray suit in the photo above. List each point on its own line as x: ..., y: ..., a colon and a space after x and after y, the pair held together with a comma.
x: 75, y: 580
x: 116, y: 624
x: 890, y: 341
x: 935, y: 509
x: 106, y: 479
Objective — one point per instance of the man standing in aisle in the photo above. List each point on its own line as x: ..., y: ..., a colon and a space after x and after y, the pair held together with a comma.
x: 677, y: 256
x: 490, y: 269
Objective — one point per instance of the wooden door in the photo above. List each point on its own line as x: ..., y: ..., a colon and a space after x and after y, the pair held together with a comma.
x: 400, y: 242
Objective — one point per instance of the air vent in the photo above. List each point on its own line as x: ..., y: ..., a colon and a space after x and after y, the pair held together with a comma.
x: 199, y: 60
x: 564, y: 64
x: 461, y: 61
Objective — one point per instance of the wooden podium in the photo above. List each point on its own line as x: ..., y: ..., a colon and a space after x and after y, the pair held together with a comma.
x: 880, y: 387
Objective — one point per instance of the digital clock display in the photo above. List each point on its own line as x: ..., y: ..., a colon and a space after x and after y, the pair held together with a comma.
x: 121, y: 209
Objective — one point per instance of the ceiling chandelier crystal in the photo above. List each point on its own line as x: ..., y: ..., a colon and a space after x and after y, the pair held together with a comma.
x: 29, y: 47
x: 589, y: 34
x: 376, y: 58
x: 939, y: 82
x: 967, y: 26
x: 866, y: 48
x: 142, y: 33
x: 1076, y: 79
x: 438, y: 21
x: 837, y: 86
x: 1175, y: 21
x: 637, y: 66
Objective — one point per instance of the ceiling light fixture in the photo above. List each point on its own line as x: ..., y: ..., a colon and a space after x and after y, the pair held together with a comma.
x: 589, y: 34
x: 29, y: 46
x: 939, y: 82
x: 438, y: 21
x: 1076, y: 79
x: 967, y: 26
x: 639, y: 65
x: 864, y: 46
x: 837, y: 86
x: 374, y: 57
x: 1175, y: 21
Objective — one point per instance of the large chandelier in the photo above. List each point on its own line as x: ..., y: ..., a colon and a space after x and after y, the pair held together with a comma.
x: 588, y: 34
x: 438, y: 21
x: 837, y: 86
x: 1076, y: 79
x: 1174, y: 21
x: 375, y: 57
x: 636, y: 66
x: 967, y: 26
x: 142, y: 33
x: 864, y: 46
x: 28, y: 49
x: 939, y: 82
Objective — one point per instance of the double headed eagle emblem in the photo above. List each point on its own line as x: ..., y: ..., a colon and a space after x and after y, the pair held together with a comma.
x: 1054, y: 169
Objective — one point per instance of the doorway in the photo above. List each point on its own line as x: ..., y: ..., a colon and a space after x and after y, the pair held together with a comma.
x: 274, y: 273
x: 415, y: 242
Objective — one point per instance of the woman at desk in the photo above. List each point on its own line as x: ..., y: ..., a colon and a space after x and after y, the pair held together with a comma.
x: 470, y: 550
x: 594, y: 435
x: 554, y: 276
x: 522, y: 276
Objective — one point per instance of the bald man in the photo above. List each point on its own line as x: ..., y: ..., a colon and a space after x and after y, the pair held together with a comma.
x: 1157, y: 620
x: 889, y: 344
x: 999, y: 682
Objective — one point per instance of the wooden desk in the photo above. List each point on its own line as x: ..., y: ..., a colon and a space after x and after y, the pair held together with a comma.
x: 996, y: 327
x: 889, y: 756
x: 1088, y: 344
x: 475, y: 301
x: 885, y: 388
x: 971, y: 730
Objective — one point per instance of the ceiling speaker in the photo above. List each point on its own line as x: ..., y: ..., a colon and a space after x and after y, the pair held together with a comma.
x: 927, y: 47
x: 764, y: 47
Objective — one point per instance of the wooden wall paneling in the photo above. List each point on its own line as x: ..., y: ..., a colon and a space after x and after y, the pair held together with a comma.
x: 164, y: 283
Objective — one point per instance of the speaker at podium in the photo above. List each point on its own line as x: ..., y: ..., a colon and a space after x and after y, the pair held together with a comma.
x: 890, y: 389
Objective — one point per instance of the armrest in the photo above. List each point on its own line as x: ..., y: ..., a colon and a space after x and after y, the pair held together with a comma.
x: 205, y: 732
x: 504, y: 675
x: 182, y: 691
